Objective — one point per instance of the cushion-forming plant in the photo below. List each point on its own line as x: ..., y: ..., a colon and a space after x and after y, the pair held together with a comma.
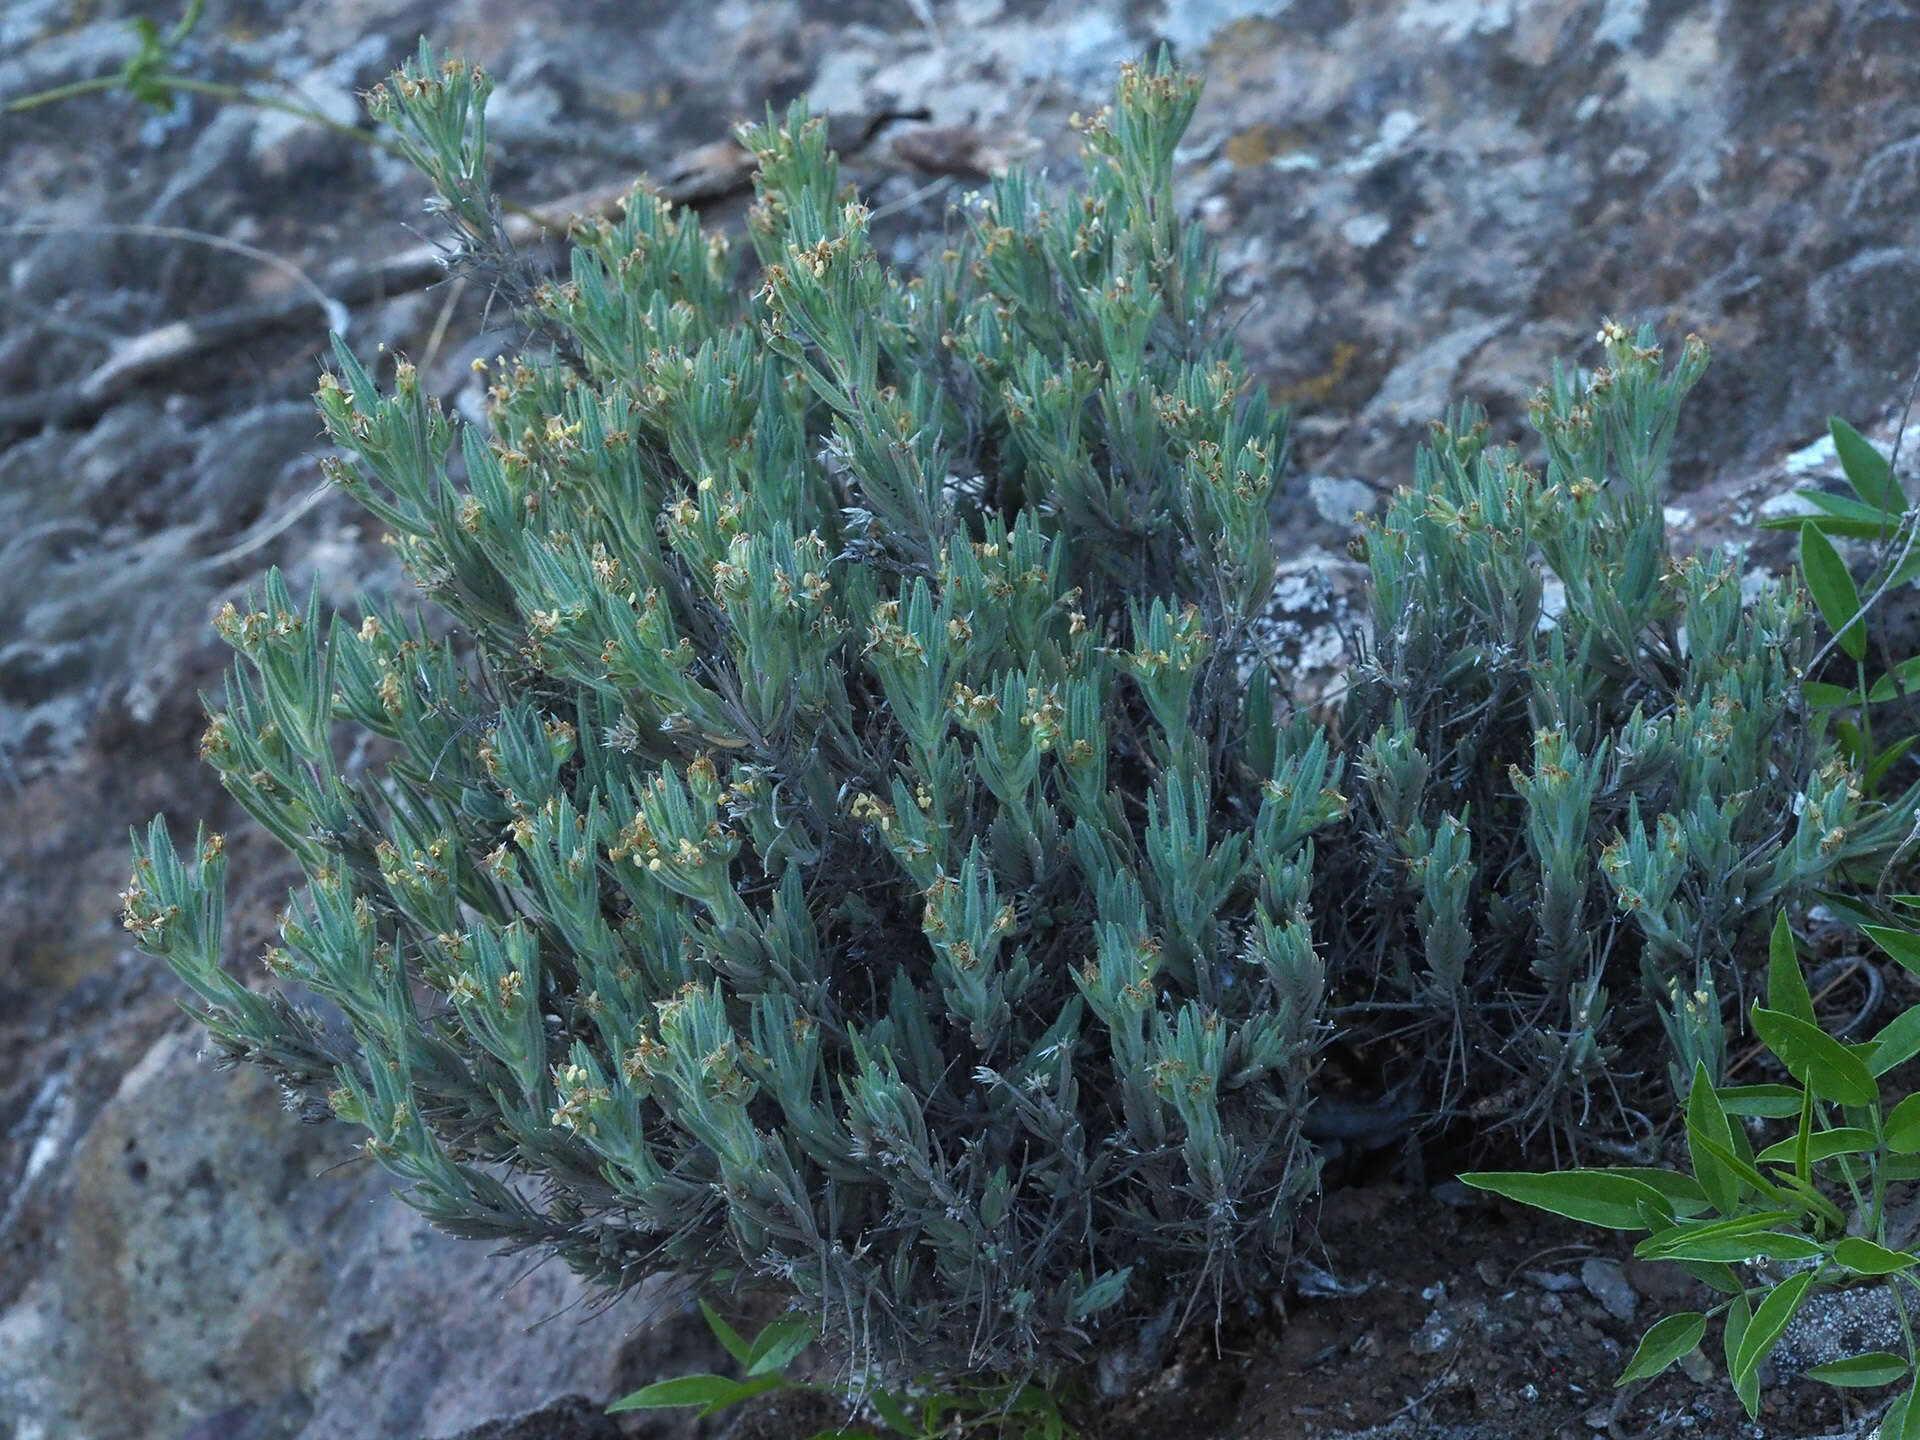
x: 827, y: 839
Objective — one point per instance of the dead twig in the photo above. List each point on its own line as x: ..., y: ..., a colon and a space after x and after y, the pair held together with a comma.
x: 706, y: 173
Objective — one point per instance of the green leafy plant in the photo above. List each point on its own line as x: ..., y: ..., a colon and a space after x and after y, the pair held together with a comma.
x: 1880, y: 512
x: 1767, y: 1228
x: 151, y: 77
x: 1023, y: 1412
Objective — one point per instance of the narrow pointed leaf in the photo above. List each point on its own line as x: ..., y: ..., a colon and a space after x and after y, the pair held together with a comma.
x: 1831, y: 585
x: 1816, y: 1059
x: 1903, y: 679
x: 1822, y: 1145
x: 1683, y: 1192
x: 1861, y: 1371
x: 889, y: 1409
x: 683, y: 1391
x: 1903, y: 1424
x: 1903, y: 1127
x: 776, y: 1345
x: 1769, y: 1321
x: 1745, y: 1170
x: 1863, y: 1257
x: 731, y: 1339
x: 1746, y: 1386
x: 1663, y: 1344
x: 1887, y: 759
x: 1902, y: 945
x: 1767, y: 1102
x: 1594, y: 1197
x: 1707, y: 1121
x: 1823, y: 696
x: 1867, y: 470
x: 1712, y: 1273
x: 1897, y: 1043
x: 1833, y: 515
x: 1786, y: 986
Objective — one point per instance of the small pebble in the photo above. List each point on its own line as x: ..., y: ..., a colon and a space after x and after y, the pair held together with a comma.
x: 1434, y: 1336
x: 1606, y: 1283
x: 1554, y: 1282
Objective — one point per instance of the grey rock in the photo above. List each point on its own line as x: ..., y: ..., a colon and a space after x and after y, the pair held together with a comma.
x: 572, y: 1418
x: 1604, y: 1281
x: 1554, y: 1282
x: 1339, y: 499
x: 191, y: 1193
x: 1437, y: 1335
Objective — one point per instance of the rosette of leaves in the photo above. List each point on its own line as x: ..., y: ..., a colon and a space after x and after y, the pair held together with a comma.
x: 814, y: 838
x: 1587, y: 772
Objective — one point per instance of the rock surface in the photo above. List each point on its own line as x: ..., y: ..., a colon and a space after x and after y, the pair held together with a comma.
x: 1416, y: 202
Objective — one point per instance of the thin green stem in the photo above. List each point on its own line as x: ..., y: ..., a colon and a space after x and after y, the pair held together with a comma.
x: 1878, y: 1216
x: 241, y: 95
x: 62, y: 92
x: 1906, y: 1322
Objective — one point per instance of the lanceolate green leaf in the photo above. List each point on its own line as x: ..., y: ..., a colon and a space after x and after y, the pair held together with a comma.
x: 1884, y: 762
x: 1816, y: 1059
x: 1713, y: 1273
x: 1829, y: 697
x: 1863, y: 1257
x: 1768, y: 1322
x: 1786, y: 986
x: 710, y: 1392
x: 1902, y: 945
x: 1683, y: 1192
x: 1867, y: 471
x: 1902, y: 1420
x: 730, y: 1339
x: 1706, y: 1121
x: 1823, y: 1145
x: 1745, y: 1384
x: 1861, y: 1371
x: 1831, y: 585
x: 1745, y: 1170
x: 776, y: 1345
x: 1903, y: 679
x: 1840, y: 515
x: 1897, y: 1043
x: 1665, y: 1342
x: 1902, y: 1127
x: 1768, y: 1102
x: 889, y: 1409
x: 1730, y: 1241
x: 1595, y: 1197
